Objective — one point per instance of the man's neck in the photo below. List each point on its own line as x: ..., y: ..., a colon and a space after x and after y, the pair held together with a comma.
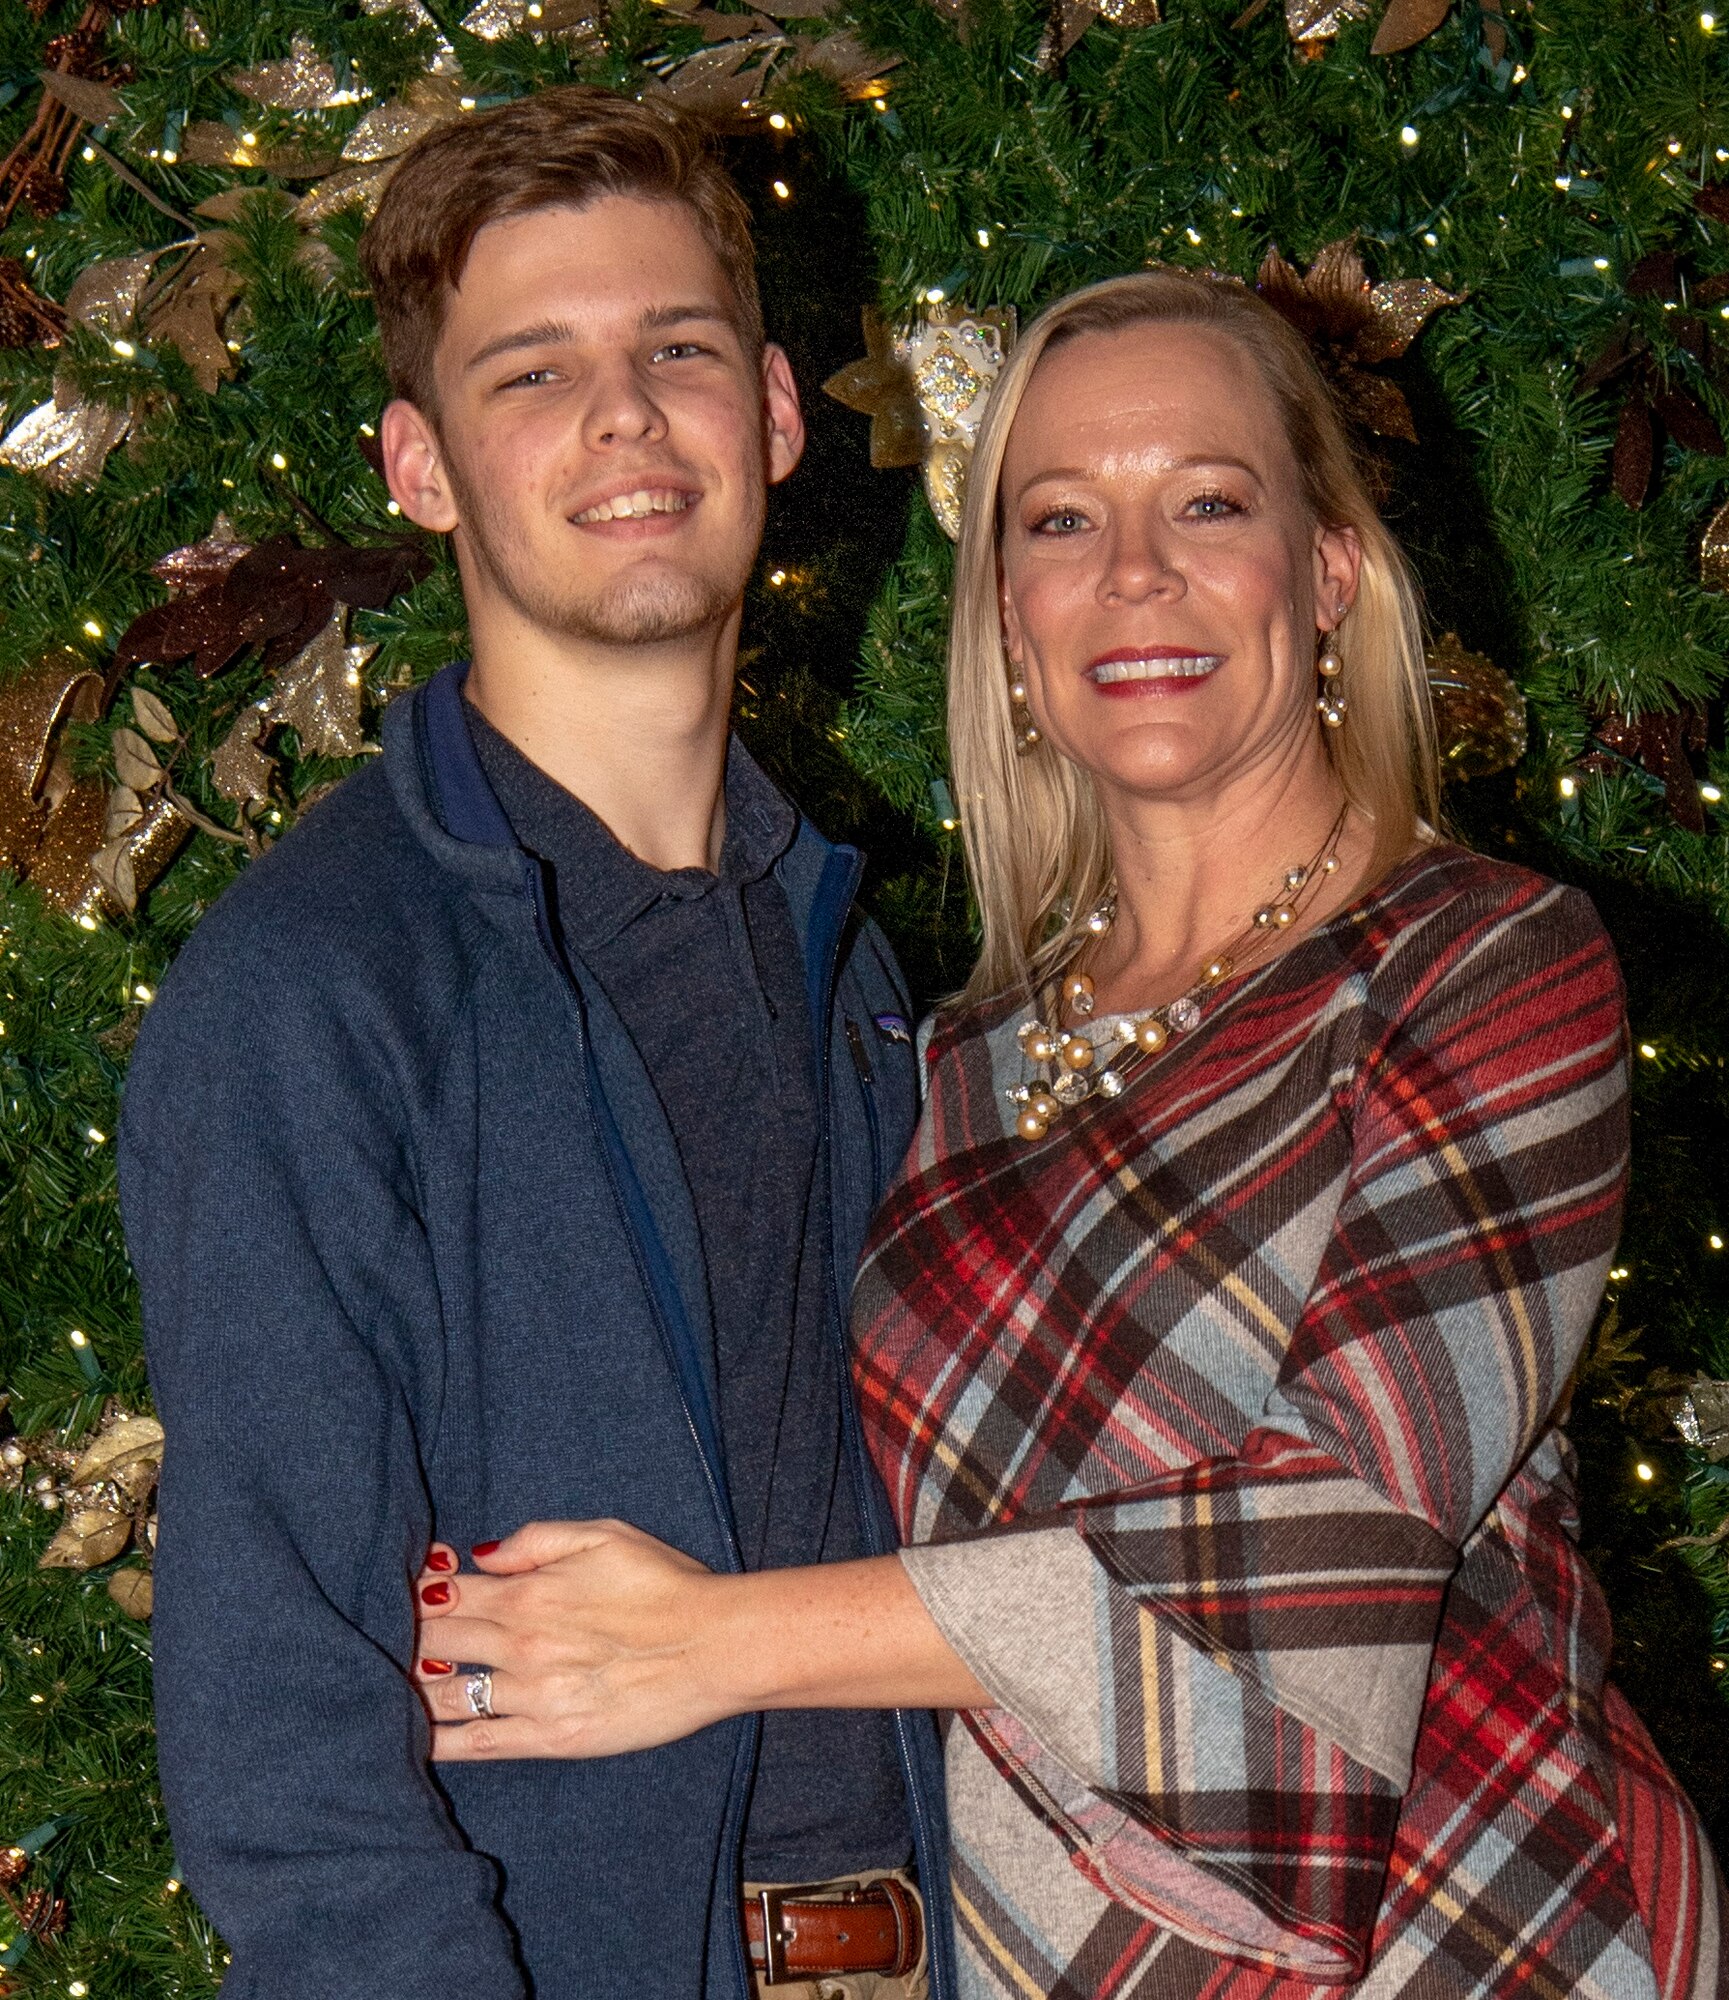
x: 637, y: 733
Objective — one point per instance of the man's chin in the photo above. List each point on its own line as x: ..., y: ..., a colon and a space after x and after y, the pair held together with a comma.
x: 637, y: 613
x: 647, y: 619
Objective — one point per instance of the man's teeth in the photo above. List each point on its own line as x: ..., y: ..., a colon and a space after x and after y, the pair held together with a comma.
x: 633, y: 506
x: 1190, y: 667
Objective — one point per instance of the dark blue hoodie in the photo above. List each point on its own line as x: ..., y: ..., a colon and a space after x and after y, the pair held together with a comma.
x: 418, y: 1259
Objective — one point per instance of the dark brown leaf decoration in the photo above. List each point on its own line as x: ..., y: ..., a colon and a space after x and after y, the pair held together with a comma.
x: 1407, y: 22
x: 278, y: 596
x: 1713, y: 201
x: 1352, y: 326
x: 1661, y: 743
x: 1657, y: 275
x: 1635, y: 451
x: 1688, y: 422
x: 1656, y: 404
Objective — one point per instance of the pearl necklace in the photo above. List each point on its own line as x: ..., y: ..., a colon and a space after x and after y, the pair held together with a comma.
x: 1079, y: 1063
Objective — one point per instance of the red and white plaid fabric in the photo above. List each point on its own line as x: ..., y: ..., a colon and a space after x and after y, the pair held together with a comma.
x: 1221, y: 1426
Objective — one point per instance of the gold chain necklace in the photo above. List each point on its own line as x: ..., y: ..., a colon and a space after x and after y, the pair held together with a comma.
x: 1075, y: 1063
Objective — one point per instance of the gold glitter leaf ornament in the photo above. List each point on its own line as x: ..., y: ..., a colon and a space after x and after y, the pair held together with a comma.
x: 571, y: 22
x: 300, y: 81
x: 925, y: 389
x: 318, y: 694
x: 108, y: 1492
x: 880, y: 386
x: 377, y: 143
x: 88, y: 1536
x: 66, y: 445
x: 1479, y: 712
x: 86, y: 849
x: 1714, y: 551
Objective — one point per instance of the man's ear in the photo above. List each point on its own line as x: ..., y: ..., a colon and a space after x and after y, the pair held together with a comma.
x: 783, y: 420
x: 414, y: 468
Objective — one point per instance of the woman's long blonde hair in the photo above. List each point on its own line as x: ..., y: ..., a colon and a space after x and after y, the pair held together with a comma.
x: 1035, y: 835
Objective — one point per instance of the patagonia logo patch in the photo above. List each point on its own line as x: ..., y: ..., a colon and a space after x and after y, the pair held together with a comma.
x: 893, y: 1028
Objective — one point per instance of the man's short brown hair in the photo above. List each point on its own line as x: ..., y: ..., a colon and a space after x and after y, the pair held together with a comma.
x: 560, y: 148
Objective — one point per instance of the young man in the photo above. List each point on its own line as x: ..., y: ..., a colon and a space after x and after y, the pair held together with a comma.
x: 500, y: 1150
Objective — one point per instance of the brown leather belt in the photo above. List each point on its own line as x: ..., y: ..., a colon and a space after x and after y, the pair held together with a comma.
x: 817, y: 1931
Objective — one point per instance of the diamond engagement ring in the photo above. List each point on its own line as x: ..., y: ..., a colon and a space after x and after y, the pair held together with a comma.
x: 478, y: 1688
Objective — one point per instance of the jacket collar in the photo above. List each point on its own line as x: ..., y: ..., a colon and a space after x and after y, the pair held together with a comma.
x: 443, y: 793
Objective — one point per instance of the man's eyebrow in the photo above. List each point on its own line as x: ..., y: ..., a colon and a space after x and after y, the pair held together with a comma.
x: 544, y: 333
x: 662, y: 317
x: 550, y: 332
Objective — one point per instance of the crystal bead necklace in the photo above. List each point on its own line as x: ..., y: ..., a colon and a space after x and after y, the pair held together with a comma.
x: 1096, y: 1058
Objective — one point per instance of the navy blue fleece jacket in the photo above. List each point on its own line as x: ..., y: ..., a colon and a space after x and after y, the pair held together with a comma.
x: 418, y: 1259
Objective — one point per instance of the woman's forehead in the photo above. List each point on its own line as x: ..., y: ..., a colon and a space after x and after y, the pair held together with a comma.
x: 1144, y: 397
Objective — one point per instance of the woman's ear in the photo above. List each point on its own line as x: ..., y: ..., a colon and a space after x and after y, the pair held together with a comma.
x: 1014, y: 639
x: 1338, y: 568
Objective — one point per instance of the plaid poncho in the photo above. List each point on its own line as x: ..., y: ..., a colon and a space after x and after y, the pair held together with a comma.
x: 1221, y: 1426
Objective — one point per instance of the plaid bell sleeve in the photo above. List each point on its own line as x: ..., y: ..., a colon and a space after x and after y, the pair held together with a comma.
x: 1213, y: 1682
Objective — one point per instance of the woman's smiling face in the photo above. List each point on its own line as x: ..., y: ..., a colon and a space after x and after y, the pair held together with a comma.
x: 1162, y: 578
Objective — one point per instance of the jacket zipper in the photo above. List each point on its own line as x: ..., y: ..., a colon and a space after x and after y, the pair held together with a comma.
x: 745, y: 1756
x: 923, y: 1842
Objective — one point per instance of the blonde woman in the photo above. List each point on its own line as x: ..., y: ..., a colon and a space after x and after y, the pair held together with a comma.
x: 1212, y: 1341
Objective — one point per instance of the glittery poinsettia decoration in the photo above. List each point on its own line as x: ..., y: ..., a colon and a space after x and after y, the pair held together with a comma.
x: 1070, y: 20
x: 924, y: 388
x: 1655, y: 400
x: 229, y: 597
x: 1314, y: 23
x: 1663, y: 745
x: 1353, y: 327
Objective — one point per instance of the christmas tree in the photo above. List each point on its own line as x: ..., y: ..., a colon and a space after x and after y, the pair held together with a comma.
x: 1506, y: 227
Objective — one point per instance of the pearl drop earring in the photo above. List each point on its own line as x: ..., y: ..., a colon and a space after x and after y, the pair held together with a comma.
x: 1331, y: 703
x: 1027, y: 736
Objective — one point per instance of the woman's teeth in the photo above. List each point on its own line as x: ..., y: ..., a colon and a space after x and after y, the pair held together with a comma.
x: 1191, y: 666
x: 633, y: 506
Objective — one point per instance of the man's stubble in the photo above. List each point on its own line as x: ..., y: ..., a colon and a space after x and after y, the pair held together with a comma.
x: 631, y: 611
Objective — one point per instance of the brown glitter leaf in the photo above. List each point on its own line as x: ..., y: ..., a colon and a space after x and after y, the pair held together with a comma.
x: 1688, y: 423
x: 1657, y: 275
x: 1407, y: 22
x: 94, y: 102
x: 1377, y: 404
x: 1635, y: 452
x: 1401, y: 309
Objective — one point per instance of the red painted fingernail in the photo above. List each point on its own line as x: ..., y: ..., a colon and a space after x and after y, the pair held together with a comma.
x: 436, y: 1593
x: 437, y: 1667
x: 486, y: 1548
x: 440, y: 1559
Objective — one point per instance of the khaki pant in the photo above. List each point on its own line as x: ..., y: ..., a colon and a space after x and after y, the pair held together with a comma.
x: 854, y: 1985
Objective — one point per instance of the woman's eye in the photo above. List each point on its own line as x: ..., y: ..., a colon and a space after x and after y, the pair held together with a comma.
x: 1213, y: 507
x: 1060, y: 521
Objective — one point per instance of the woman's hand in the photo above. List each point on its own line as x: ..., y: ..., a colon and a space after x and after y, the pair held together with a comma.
x: 594, y: 1634
x: 601, y: 1639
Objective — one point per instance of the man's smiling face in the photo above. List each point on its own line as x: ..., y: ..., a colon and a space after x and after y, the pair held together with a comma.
x: 604, y: 434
